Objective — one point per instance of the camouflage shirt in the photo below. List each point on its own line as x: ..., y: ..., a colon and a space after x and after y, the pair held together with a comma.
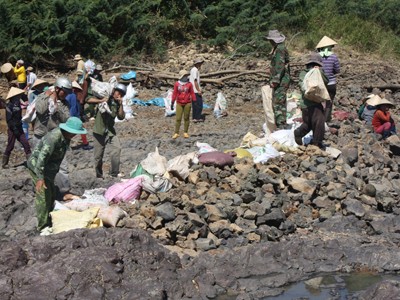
x: 47, y: 120
x: 46, y: 159
x: 279, y: 63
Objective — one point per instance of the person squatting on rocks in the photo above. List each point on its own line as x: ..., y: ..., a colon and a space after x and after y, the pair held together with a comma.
x: 313, y: 114
x: 20, y: 72
x: 14, y: 125
x: 51, y: 110
x: 279, y: 76
x: 45, y: 162
x: 195, y: 81
x: 74, y: 110
x: 183, y: 95
x: 382, y: 121
x: 331, y: 67
x: 367, y: 110
x: 104, y: 131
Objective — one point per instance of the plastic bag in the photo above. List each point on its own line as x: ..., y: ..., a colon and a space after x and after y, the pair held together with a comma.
x: 169, y: 112
x: 154, y: 163
x: 128, y: 76
x: 204, y: 148
x: 263, y: 154
x: 126, y: 103
x: 220, y: 106
x: 138, y: 170
x: 283, y: 137
x: 103, y: 89
x: 240, y: 153
x: 89, y: 66
x: 266, y: 92
x: 314, y: 87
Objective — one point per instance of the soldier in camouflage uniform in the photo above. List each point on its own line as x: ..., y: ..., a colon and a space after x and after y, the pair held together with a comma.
x: 45, y: 162
x: 280, y: 76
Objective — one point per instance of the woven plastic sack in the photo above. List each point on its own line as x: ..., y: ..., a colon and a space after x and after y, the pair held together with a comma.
x: 125, y: 191
x: 103, y: 89
x: 111, y: 215
x: 169, y: 112
x: 220, y: 106
x: 65, y: 220
x: 266, y: 93
x: 314, y: 87
x: 154, y: 163
x: 89, y: 66
x: 217, y: 159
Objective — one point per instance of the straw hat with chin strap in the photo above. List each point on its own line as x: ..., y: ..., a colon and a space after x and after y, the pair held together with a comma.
x: 325, y: 42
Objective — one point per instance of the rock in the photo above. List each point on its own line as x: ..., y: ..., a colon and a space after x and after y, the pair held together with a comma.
x: 354, y: 207
x: 253, y: 237
x: 350, y: 155
x: 205, y: 244
x: 136, y: 222
x: 314, y: 283
x: 368, y: 200
x: 196, y: 219
x: 387, y: 289
x: 323, y: 202
x: 218, y: 226
x: 302, y: 185
x: 250, y: 215
x: 274, y: 218
x: 394, y: 144
x: 166, y: 211
x: 386, y: 203
x: 369, y: 190
x: 214, y: 213
x: 194, y: 177
x: 325, y: 214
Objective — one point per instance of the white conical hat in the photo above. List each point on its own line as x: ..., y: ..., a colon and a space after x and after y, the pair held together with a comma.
x: 38, y: 81
x: 14, y: 92
x: 7, y: 67
x: 76, y: 85
x: 325, y: 42
x: 373, y: 100
x: 385, y: 101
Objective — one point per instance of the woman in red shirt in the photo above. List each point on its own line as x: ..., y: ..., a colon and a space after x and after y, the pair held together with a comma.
x: 382, y: 121
x: 183, y: 95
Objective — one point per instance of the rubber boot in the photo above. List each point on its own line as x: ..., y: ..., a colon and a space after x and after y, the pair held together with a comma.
x: 4, y: 164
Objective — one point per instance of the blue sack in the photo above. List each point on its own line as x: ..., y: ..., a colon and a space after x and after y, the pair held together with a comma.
x: 128, y: 76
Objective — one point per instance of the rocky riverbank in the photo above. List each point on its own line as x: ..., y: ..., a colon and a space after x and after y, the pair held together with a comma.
x: 245, y: 230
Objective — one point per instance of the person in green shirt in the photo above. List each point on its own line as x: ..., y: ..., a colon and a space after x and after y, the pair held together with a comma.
x: 44, y: 163
x: 279, y: 76
x: 104, y: 131
x: 313, y: 113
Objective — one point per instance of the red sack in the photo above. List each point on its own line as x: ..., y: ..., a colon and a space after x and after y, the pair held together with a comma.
x: 341, y: 115
x: 218, y: 159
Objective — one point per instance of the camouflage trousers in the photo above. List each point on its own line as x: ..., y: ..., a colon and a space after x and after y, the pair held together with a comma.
x: 44, y: 201
x: 279, y: 102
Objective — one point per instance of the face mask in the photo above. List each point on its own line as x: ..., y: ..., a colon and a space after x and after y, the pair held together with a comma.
x: 325, y: 52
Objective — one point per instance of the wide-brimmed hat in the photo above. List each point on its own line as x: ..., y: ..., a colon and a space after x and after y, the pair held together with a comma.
x: 76, y: 85
x: 276, y: 36
x: 14, y: 92
x: 73, y: 125
x: 99, y: 67
x: 373, y: 100
x: 78, y: 57
x: 38, y: 82
x: 29, y: 69
x: 314, y: 58
x: 325, y: 42
x: 183, y: 73
x: 385, y: 101
x: 7, y: 67
x: 198, y: 60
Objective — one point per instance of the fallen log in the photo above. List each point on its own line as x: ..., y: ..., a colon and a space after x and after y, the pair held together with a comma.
x: 392, y: 87
x: 118, y: 67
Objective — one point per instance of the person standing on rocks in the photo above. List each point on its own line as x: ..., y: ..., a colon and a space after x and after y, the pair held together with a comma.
x: 331, y: 67
x: 104, y: 131
x: 80, y: 68
x: 195, y: 81
x: 183, y: 95
x: 313, y: 114
x: 382, y: 121
x: 30, y: 79
x: 14, y: 124
x: 20, y: 72
x: 51, y: 110
x: 45, y: 162
x: 279, y: 76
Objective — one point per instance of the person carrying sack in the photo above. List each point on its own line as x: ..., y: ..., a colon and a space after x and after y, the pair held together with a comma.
x: 313, y: 113
x: 183, y: 95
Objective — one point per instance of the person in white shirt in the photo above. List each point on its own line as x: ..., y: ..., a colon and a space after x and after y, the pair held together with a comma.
x: 195, y: 80
x: 30, y: 78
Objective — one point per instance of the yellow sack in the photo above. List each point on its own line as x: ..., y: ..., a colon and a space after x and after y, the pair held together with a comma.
x: 240, y: 153
x: 64, y: 220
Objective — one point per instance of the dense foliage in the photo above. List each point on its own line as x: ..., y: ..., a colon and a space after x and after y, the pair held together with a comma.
x: 43, y: 31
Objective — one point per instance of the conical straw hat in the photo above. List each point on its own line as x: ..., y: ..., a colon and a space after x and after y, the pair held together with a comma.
x: 325, y: 42
x: 7, y: 67
x: 38, y: 81
x: 385, y: 101
x: 76, y: 85
x: 14, y: 92
x: 374, y: 100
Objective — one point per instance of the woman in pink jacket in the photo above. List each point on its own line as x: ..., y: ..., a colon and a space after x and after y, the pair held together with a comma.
x: 183, y: 95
